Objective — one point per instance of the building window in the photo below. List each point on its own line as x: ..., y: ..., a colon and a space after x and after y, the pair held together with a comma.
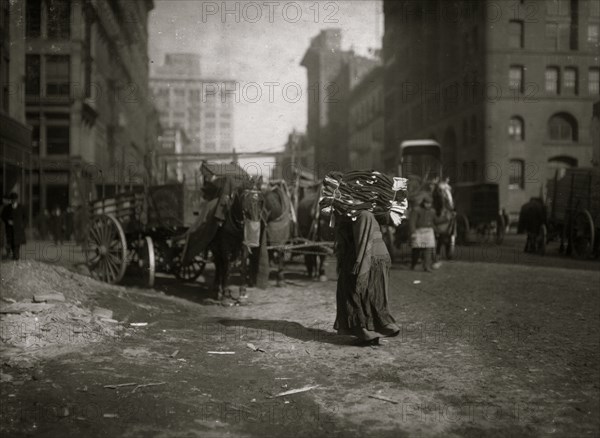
x: 570, y: 80
x: 515, y: 34
x: 594, y: 8
x: 515, y: 77
x: 209, y: 115
x: 562, y: 127
x: 57, y: 75
x: 516, y: 129
x: 33, y: 18
x: 592, y: 34
x: 594, y: 81
x: 57, y: 140
x: 516, y: 175
x: 558, y: 7
x: 552, y: 36
x: 32, y: 75
x: 59, y: 19
x: 552, y: 80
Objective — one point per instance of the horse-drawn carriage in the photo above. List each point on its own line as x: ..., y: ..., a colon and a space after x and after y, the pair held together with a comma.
x: 478, y: 213
x: 573, y: 206
x: 142, y: 231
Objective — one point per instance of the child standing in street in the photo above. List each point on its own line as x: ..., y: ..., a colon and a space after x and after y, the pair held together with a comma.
x: 421, y: 222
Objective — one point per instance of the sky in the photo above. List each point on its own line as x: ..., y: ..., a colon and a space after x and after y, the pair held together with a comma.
x: 261, y: 49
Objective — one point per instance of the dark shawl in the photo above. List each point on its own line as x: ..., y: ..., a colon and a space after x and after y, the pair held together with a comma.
x: 363, y: 268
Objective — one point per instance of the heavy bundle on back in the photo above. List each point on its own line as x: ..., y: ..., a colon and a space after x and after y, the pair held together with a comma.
x: 349, y: 193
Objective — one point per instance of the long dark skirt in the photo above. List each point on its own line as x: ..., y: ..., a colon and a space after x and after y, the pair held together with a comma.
x: 362, y: 288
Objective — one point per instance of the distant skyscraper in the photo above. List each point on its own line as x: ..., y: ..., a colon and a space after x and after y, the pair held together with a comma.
x: 202, y: 107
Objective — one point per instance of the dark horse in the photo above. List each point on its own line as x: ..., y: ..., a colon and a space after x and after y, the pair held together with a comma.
x: 237, y: 201
x: 314, y: 226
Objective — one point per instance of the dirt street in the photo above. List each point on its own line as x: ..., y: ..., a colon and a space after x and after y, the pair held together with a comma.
x: 494, y: 349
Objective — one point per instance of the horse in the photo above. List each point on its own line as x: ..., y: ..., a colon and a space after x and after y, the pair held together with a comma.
x: 239, y: 201
x: 314, y: 226
x: 443, y: 204
x: 532, y: 219
x: 275, y: 230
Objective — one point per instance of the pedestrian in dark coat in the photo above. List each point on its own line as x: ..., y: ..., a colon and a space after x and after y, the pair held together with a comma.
x: 69, y: 223
x: 14, y: 219
x: 4, y: 250
x: 57, y: 225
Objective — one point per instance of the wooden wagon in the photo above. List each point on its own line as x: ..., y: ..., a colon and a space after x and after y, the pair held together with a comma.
x: 478, y: 213
x: 143, y: 232
x: 573, y: 206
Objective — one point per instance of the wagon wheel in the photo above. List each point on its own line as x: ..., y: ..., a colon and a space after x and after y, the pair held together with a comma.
x: 143, y: 260
x: 541, y: 240
x: 190, y: 271
x: 582, y: 234
x: 462, y: 229
x: 500, y: 229
x: 106, y: 249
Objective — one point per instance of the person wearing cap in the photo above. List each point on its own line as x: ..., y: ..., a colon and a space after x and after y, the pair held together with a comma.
x: 14, y: 218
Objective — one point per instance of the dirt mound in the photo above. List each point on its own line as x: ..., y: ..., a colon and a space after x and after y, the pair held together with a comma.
x: 44, y: 308
x: 21, y: 280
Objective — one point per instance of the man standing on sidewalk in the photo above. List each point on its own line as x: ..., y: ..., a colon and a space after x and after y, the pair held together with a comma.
x: 14, y: 218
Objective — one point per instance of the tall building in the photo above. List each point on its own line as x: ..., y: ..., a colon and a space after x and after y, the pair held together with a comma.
x: 506, y: 87
x: 331, y: 75
x: 86, y: 96
x: 366, y: 122
x: 202, y: 107
x: 15, y: 136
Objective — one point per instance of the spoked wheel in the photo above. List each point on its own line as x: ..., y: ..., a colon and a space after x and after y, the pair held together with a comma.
x: 190, y: 271
x: 106, y: 249
x: 143, y: 260
x: 462, y: 229
x: 582, y: 234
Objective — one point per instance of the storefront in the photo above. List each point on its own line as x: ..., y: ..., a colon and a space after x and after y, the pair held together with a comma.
x: 15, y: 155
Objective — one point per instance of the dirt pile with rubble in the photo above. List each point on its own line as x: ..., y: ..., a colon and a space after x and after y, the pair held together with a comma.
x: 47, y: 309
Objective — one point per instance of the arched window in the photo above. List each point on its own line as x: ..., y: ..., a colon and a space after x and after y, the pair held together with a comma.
x: 516, y: 174
x: 516, y: 128
x: 562, y: 127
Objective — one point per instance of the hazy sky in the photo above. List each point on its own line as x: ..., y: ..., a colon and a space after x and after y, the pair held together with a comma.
x: 263, y: 44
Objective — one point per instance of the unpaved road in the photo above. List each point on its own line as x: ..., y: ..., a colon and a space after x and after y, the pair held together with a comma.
x: 486, y: 350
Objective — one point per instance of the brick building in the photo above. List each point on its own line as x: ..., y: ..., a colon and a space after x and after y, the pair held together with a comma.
x: 506, y: 87
x: 86, y: 96
x: 366, y: 122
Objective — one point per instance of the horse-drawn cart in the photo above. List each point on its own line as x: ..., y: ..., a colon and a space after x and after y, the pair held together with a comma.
x: 478, y: 213
x: 573, y: 206
x: 142, y: 232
